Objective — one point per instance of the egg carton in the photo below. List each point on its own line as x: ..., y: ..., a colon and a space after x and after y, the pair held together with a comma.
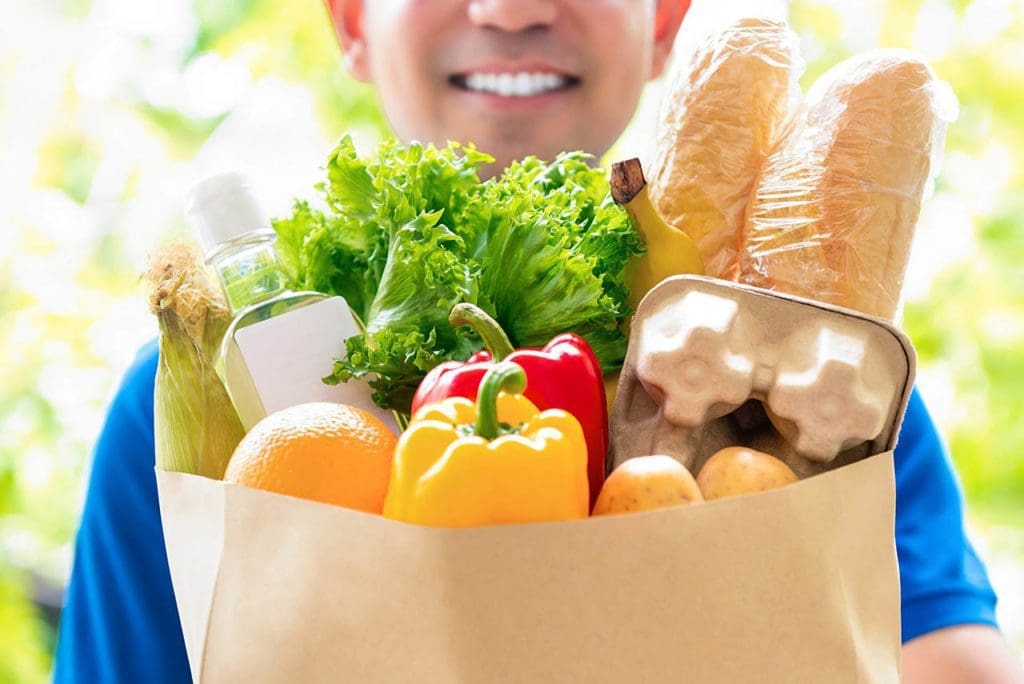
x: 713, y: 364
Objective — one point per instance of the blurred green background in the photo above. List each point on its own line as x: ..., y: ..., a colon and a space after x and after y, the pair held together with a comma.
x: 109, y: 109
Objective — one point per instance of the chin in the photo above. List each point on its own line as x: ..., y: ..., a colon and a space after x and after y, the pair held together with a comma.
x: 544, y: 150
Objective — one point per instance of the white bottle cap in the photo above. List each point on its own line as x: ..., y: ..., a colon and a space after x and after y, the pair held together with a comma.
x: 223, y: 207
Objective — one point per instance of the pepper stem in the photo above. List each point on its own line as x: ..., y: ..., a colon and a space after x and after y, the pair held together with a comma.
x: 489, y: 330
x: 506, y: 376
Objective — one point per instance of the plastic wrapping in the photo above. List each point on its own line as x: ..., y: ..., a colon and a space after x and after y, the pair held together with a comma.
x: 725, y: 103
x: 835, y: 208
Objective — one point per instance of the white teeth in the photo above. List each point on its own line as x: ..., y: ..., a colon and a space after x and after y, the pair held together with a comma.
x: 523, y: 85
x: 520, y: 84
x: 506, y: 84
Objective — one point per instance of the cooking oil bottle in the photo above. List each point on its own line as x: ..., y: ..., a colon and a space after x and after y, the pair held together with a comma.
x: 281, y: 342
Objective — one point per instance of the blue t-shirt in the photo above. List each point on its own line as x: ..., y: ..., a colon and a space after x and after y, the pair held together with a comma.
x: 120, y: 622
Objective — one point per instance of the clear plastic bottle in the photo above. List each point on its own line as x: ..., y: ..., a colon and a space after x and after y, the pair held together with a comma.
x: 272, y: 356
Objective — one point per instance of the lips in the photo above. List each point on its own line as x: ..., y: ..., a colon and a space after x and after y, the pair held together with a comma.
x: 514, y: 84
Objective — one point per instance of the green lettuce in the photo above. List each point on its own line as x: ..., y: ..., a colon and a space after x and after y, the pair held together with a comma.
x: 409, y: 233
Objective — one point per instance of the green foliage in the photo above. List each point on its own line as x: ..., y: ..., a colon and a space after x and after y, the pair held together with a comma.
x: 25, y: 658
x: 70, y: 162
x: 297, y: 41
x: 218, y: 18
x: 184, y: 134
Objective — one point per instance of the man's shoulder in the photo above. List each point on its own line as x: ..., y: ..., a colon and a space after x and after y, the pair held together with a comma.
x: 920, y: 449
x: 128, y: 426
x: 917, y: 421
x: 142, y: 372
x: 134, y: 397
x: 925, y: 475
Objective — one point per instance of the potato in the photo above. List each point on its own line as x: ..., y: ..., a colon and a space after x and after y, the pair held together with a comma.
x: 738, y: 470
x: 645, y: 483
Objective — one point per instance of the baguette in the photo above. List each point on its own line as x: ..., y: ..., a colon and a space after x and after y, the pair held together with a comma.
x: 836, y: 205
x: 722, y: 109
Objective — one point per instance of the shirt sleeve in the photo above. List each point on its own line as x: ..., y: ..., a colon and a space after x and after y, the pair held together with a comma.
x: 120, y: 621
x: 942, y: 581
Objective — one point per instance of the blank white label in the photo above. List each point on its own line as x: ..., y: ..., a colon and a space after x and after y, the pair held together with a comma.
x: 288, y: 355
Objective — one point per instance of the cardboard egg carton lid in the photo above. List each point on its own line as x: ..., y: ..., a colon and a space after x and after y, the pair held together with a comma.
x: 713, y: 363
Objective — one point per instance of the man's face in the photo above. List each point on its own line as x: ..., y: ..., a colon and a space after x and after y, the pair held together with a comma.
x: 515, y: 77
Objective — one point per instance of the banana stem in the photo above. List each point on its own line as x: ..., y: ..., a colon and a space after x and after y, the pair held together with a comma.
x: 627, y: 180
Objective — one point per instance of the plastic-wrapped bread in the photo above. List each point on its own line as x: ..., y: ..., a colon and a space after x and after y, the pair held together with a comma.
x: 836, y: 205
x: 723, y: 107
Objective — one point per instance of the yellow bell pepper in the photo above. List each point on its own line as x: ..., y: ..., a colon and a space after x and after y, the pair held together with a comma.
x: 496, y: 461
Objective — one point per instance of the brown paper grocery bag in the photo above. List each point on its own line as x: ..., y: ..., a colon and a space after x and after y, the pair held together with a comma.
x: 793, y: 585
x: 798, y: 584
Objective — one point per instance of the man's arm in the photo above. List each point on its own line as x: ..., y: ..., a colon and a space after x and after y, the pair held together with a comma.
x: 120, y: 621
x: 948, y: 606
x: 977, y: 654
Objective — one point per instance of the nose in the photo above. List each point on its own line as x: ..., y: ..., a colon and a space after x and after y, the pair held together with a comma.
x: 512, y: 15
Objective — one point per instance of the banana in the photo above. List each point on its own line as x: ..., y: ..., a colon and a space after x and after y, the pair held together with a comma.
x: 670, y: 251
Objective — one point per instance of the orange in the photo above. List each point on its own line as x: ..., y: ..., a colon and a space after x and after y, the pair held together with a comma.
x: 326, y: 452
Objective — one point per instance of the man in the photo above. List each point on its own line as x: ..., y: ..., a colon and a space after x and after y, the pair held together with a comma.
x: 516, y: 77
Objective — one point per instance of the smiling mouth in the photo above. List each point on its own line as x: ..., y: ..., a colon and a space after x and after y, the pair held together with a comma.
x: 514, y: 84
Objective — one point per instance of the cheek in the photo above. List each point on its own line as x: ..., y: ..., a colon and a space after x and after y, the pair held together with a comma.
x: 618, y: 36
x: 398, y: 43
x: 619, y: 75
x: 402, y: 45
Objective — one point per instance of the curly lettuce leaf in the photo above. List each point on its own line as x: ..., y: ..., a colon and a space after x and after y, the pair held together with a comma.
x: 408, y: 234
x: 552, y: 248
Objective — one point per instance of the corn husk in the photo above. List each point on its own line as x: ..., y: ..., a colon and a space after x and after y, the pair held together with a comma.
x: 196, y: 426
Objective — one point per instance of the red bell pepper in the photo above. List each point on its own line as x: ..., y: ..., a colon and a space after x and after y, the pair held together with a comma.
x: 565, y: 374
